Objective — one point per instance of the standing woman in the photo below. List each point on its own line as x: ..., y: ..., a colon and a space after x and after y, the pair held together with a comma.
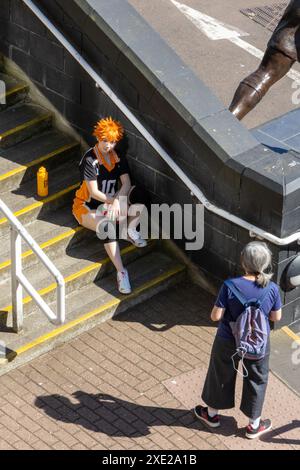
x: 101, y: 172
x: 219, y: 388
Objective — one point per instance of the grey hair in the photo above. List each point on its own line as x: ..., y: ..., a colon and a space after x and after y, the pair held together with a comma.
x: 256, y: 257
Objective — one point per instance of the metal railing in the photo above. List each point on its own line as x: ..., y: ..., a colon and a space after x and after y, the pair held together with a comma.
x: 253, y: 230
x: 18, y: 280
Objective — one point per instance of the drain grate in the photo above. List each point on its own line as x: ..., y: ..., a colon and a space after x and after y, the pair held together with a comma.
x: 267, y: 16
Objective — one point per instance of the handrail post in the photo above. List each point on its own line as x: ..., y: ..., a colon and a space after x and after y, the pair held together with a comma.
x: 60, y: 302
x: 16, y: 286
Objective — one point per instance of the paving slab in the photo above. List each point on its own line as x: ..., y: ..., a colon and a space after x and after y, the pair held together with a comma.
x: 130, y: 383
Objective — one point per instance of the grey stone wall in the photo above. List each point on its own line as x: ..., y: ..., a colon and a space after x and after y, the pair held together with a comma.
x: 213, y: 148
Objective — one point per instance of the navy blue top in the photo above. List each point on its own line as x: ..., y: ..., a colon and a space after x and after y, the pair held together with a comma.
x: 226, y: 299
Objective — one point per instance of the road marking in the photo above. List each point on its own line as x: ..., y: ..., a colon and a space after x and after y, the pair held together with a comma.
x: 212, y: 28
x: 216, y: 31
x: 291, y: 334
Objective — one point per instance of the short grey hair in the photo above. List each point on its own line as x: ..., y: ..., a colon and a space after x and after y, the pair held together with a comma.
x: 256, y: 257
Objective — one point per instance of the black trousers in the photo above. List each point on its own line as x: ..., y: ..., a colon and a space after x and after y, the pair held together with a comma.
x: 219, y: 387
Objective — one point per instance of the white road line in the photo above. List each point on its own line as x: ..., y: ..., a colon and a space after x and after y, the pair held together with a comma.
x: 216, y: 31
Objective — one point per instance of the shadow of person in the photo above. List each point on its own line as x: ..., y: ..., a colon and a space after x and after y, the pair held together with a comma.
x: 275, y: 436
x: 119, y: 418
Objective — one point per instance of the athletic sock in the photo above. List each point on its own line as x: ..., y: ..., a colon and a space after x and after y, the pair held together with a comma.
x: 212, y: 412
x: 254, y: 423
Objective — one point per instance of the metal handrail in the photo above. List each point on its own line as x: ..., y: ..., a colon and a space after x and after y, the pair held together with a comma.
x: 18, y: 280
x: 253, y: 230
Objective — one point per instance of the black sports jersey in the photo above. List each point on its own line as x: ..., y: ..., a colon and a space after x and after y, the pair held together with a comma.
x: 92, y: 170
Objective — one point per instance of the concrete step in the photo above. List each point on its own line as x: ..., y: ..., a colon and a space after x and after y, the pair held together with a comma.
x: 56, y: 234
x: 81, y: 265
x: 20, y: 163
x: 27, y: 206
x: 88, y: 307
x: 22, y: 121
x: 15, y: 91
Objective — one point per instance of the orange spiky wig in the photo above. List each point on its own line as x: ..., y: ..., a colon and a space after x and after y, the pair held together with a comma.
x: 108, y: 129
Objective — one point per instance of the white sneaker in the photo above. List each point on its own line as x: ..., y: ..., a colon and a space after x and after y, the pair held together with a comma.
x: 135, y: 238
x: 123, y: 282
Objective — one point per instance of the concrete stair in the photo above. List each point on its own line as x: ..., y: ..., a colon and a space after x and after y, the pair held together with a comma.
x: 15, y: 91
x: 21, y: 121
x: 20, y: 163
x: 29, y: 140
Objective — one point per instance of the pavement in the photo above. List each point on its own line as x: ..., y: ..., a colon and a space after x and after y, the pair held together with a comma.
x: 221, y: 64
x: 130, y: 384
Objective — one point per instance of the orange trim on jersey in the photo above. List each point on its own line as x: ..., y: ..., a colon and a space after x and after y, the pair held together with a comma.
x: 82, y: 196
x: 112, y: 156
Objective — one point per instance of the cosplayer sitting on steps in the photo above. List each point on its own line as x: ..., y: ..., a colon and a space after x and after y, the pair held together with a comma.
x: 98, y: 196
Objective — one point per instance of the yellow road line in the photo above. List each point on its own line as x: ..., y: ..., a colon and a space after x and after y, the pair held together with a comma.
x: 19, y: 128
x: 38, y: 204
x: 46, y: 244
x: 291, y: 334
x: 37, y: 161
x: 72, y: 277
x: 112, y: 303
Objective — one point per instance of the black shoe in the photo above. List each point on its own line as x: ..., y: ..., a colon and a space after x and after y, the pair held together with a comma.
x: 201, y: 413
x: 264, y: 426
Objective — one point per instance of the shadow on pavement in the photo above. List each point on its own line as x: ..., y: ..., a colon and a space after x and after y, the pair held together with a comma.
x: 276, y: 436
x: 119, y: 418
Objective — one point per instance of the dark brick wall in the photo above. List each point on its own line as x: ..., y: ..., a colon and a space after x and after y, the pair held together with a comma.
x: 232, y: 169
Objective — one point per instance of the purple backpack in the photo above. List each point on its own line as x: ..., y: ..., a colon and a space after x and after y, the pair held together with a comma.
x: 250, y: 330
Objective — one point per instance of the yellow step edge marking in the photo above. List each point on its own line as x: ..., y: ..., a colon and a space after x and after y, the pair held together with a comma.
x: 93, y: 267
x: 46, y: 244
x: 19, y: 128
x: 14, y: 90
x: 291, y: 334
x: 112, y: 303
x: 72, y: 277
x: 23, y: 168
x: 43, y: 202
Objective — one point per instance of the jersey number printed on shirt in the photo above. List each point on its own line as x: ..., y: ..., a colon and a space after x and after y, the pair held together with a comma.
x: 108, y: 187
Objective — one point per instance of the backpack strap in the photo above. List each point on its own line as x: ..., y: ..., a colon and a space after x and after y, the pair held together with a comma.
x: 237, y: 292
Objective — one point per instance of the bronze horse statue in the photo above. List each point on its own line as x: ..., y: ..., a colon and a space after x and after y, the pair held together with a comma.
x: 283, y: 50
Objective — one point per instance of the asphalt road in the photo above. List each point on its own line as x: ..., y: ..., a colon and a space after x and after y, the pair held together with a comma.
x: 219, y: 63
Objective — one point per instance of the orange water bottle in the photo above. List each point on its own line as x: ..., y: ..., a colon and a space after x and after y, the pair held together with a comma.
x: 42, y: 182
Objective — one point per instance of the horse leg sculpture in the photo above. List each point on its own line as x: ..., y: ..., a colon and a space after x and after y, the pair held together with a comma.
x: 252, y: 89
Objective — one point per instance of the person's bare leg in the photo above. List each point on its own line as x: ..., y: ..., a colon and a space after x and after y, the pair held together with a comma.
x: 91, y: 221
x: 113, y: 251
x: 253, y: 88
x: 134, y: 220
